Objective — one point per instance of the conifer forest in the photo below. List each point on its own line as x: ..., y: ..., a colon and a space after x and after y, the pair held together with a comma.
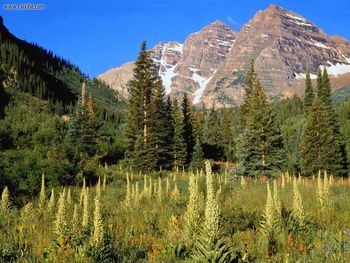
x: 86, y: 176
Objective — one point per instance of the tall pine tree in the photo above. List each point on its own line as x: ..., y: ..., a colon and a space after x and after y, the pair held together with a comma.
x: 197, y: 162
x: 249, y: 84
x: 179, y: 143
x: 309, y: 93
x: 198, y: 124
x: 319, y: 149
x: 213, y: 144
x: 169, y: 124
x: 82, y: 131
x: 145, y: 78
x: 261, y: 143
x: 226, y: 134
x: 324, y: 95
x: 158, y: 132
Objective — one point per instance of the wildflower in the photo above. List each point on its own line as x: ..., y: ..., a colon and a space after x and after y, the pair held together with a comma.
x: 98, y: 225
x: 212, y: 211
x: 277, y: 200
x: 167, y: 187
x: 192, y: 214
x: 5, y: 201
x: 160, y: 190
x: 85, y: 221
x: 176, y: 193
x: 298, y: 208
x: 104, y: 182
x: 69, y: 197
x: 75, y: 217
x: 283, y: 184
x: 42, y: 192
x: 51, y: 202
x: 137, y: 194
x: 60, y: 222
x: 269, y: 223
x: 243, y: 183
x: 82, y: 192
x: 128, y: 191
x: 98, y: 188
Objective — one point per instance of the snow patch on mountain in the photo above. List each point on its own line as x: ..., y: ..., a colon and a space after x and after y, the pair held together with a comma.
x: 202, y: 82
x: 222, y: 42
x: 333, y: 69
x: 303, y: 76
x: 168, y: 70
x: 166, y: 78
x: 193, y: 69
x: 301, y: 23
x: 298, y: 20
x: 296, y: 17
x: 338, y: 68
x: 177, y: 48
x: 318, y: 44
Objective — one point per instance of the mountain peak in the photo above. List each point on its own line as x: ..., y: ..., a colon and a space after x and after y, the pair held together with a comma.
x: 211, y: 63
x: 273, y: 6
x: 218, y: 23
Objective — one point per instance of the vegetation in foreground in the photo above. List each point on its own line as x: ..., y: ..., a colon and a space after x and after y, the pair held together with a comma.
x: 171, y: 217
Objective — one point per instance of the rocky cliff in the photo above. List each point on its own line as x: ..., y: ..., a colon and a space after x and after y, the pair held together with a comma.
x: 211, y: 64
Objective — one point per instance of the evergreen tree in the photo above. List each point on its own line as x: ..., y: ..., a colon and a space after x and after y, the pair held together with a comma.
x: 249, y: 84
x: 198, y: 157
x: 309, y: 93
x: 187, y: 128
x: 158, y: 130
x: 145, y: 78
x: 82, y: 131
x: 324, y: 91
x: 248, y: 153
x: 179, y: 144
x: 212, y: 131
x: 324, y: 94
x: 261, y: 142
x: 198, y: 124
x: 88, y: 137
x: 319, y: 85
x: 275, y: 152
x: 213, y: 147
x: 319, y: 149
x: 226, y: 134
x: 170, y: 132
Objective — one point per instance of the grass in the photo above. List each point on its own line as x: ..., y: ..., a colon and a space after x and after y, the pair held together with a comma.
x: 153, y: 231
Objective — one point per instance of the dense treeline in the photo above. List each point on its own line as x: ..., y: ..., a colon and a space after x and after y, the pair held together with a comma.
x: 68, y: 140
x: 261, y: 137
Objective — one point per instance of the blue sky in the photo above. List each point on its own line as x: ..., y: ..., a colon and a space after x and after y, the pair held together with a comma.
x: 102, y: 34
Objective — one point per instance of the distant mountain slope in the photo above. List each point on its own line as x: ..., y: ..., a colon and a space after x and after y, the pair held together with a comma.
x: 49, y: 77
x: 341, y: 95
x: 211, y: 64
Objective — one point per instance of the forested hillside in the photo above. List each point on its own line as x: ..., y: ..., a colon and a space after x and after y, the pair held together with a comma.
x: 39, y: 93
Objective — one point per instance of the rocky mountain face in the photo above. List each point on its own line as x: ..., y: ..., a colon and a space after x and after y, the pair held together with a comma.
x: 211, y: 64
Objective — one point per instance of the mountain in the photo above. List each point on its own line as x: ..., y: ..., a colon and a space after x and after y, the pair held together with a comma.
x: 48, y: 77
x: 183, y: 67
x: 211, y: 64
